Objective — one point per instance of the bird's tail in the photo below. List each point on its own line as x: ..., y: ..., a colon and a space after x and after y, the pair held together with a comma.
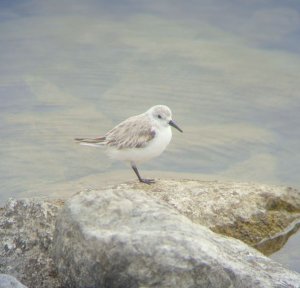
x: 96, y: 142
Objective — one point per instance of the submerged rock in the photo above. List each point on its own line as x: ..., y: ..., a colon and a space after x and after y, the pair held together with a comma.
x: 122, y: 237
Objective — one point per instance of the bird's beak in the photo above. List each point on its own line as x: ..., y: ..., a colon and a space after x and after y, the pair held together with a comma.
x: 172, y: 123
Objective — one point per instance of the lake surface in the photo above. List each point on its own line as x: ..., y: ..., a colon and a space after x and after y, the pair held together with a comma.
x: 229, y: 70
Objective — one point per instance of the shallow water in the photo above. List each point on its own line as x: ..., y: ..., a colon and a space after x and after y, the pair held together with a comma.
x: 229, y: 71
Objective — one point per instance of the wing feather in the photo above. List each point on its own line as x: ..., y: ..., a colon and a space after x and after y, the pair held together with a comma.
x: 97, y: 140
x: 135, y: 132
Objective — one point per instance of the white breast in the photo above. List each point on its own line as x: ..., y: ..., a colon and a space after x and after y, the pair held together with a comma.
x: 159, y: 143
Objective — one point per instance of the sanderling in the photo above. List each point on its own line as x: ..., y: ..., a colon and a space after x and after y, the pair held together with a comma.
x: 138, y: 138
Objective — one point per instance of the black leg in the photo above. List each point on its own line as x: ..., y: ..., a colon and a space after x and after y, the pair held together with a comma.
x: 146, y: 181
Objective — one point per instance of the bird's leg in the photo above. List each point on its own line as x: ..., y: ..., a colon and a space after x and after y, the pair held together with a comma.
x: 146, y: 181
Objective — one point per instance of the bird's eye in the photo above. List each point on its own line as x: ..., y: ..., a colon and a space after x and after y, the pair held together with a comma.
x: 159, y: 116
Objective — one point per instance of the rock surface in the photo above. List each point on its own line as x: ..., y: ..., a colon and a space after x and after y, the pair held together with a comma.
x: 124, y: 238
x: 7, y: 281
x: 263, y: 216
x: 26, y: 232
x: 27, y: 225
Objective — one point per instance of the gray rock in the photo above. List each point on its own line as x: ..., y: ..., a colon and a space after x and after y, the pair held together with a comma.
x: 7, y: 281
x: 124, y: 238
x: 26, y: 232
x: 26, y: 226
x: 263, y: 216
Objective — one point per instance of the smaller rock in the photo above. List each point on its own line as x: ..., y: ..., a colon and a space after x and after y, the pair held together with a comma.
x: 26, y: 231
x: 7, y: 281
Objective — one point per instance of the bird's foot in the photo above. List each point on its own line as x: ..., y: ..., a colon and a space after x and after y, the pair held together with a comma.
x: 147, y: 181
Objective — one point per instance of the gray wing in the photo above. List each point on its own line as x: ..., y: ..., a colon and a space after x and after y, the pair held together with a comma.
x: 135, y: 132
x: 98, y: 140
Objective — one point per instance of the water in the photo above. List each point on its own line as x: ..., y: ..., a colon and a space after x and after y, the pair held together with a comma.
x: 228, y: 69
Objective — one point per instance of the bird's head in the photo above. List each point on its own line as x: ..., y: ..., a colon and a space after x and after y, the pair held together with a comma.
x: 163, y: 116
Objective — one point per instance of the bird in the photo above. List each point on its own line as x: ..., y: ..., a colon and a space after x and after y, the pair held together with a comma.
x: 138, y: 138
